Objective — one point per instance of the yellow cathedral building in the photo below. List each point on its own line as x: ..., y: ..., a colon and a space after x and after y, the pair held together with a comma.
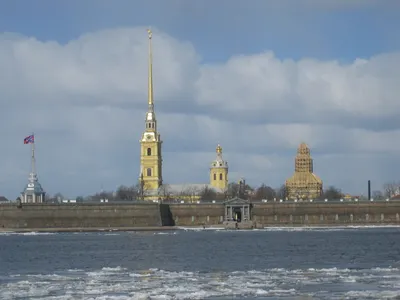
x: 150, y: 143
x: 303, y: 184
x: 150, y: 178
x: 219, y: 171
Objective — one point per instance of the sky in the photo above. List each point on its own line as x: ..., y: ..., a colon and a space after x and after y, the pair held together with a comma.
x: 259, y: 77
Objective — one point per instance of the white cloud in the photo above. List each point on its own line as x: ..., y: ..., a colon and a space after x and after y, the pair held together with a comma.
x: 262, y: 82
x: 86, y: 102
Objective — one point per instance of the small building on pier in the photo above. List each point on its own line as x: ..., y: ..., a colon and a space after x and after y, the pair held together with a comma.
x: 238, y: 214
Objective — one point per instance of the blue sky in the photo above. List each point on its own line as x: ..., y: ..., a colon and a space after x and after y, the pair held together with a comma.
x: 219, y: 29
x: 223, y: 67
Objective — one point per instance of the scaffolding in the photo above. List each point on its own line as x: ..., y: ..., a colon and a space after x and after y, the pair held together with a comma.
x: 303, y: 184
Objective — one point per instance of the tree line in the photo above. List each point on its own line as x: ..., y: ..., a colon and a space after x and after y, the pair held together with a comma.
x: 138, y: 192
x: 190, y: 193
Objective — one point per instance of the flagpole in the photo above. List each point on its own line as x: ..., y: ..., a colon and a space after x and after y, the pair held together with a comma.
x: 33, y: 156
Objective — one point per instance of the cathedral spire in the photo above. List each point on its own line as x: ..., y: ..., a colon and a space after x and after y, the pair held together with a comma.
x: 150, y: 74
x: 151, y: 123
x: 151, y: 152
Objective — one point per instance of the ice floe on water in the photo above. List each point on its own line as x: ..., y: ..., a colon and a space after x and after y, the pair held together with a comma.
x: 328, y: 228
x: 198, y: 228
x: 121, y: 283
x: 32, y: 233
x: 293, y: 228
x: 165, y: 233
x: 214, y: 229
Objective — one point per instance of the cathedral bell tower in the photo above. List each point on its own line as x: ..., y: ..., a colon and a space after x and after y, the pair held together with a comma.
x: 150, y: 143
x: 219, y: 171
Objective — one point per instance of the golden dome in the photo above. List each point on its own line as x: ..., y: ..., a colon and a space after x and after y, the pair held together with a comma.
x: 219, y: 149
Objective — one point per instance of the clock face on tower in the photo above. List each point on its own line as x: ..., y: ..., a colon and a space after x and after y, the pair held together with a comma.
x: 148, y: 136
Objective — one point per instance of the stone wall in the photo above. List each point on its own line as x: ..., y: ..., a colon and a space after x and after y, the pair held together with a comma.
x: 109, y: 215
x: 197, y: 214
x: 275, y: 214
x: 80, y: 215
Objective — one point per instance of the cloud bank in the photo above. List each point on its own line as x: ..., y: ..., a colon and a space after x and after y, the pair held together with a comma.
x: 86, y: 100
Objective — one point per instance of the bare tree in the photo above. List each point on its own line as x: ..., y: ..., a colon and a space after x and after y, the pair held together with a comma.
x: 56, y: 198
x: 233, y: 189
x: 193, y: 192
x: 238, y: 190
x: 102, y: 196
x: 377, y: 195
x: 189, y: 193
x: 47, y: 198
x: 127, y: 193
x: 391, y: 189
x: 145, y: 189
x: 109, y: 195
x: 332, y: 193
x: 165, y: 192
x: 208, y: 194
x: 264, y: 192
x: 282, y: 192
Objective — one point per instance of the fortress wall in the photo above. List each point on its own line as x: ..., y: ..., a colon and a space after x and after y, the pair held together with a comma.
x: 80, y: 215
x: 108, y: 215
x: 197, y: 214
x: 326, y: 213
x: 275, y: 214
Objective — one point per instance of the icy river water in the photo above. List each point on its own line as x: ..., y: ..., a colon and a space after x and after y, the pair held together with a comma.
x: 274, y: 263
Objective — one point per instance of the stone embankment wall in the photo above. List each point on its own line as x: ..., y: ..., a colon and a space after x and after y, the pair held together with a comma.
x: 81, y: 215
x: 152, y: 215
x: 277, y: 214
x: 359, y: 213
x: 197, y: 214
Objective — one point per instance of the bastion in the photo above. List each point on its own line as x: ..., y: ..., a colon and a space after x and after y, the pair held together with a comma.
x: 82, y: 215
x: 142, y: 216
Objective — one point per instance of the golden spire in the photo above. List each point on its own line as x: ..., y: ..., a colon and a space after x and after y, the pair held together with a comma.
x: 219, y: 149
x: 150, y: 70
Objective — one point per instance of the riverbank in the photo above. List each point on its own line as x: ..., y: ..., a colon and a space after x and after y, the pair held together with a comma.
x: 93, y: 229
x: 195, y: 228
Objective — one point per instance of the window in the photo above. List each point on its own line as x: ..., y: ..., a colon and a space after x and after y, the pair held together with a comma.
x: 148, y: 151
x: 148, y: 171
x: 220, y: 176
x: 215, y: 176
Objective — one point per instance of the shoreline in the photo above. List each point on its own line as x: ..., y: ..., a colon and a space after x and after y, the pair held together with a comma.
x: 86, y: 229
x: 185, y: 228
